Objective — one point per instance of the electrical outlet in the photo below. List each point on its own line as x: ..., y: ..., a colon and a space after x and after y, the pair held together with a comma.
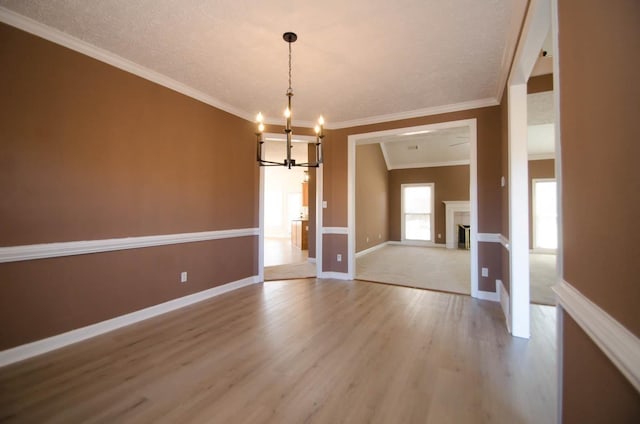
x: 183, y: 277
x: 379, y: 236
x: 485, y: 272
x: 439, y: 235
x: 367, y: 239
x: 324, y: 204
x: 339, y: 257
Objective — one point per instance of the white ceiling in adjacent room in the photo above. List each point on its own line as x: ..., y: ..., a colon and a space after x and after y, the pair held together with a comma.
x: 541, y: 121
x: 355, y: 61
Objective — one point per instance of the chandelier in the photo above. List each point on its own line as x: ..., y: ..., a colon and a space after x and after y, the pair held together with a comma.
x: 290, y: 38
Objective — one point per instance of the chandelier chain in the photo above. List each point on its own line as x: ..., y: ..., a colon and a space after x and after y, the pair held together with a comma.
x: 289, y: 66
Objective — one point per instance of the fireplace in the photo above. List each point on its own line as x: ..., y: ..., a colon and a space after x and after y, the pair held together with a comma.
x: 464, y: 236
x: 457, y: 212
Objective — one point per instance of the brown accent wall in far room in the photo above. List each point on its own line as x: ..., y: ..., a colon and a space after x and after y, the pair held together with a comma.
x: 372, y: 193
x: 538, y: 169
x: 450, y: 183
x: 91, y: 152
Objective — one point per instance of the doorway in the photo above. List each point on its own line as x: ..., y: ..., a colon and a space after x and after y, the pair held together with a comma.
x: 464, y: 136
x: 287, y: 217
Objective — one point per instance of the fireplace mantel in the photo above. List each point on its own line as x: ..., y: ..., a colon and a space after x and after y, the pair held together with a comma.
x: 451, y: 207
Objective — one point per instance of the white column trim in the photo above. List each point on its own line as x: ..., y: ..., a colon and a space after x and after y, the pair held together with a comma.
x: 371, y: 249
x: 620, y: 345
x: 335, y: 230
x: 58, y: 341
x: 69, y: 248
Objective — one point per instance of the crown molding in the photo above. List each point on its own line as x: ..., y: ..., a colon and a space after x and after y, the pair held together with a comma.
x: 58, y: 37
x: 430, y: 164
x: 46, y: 32
x: 455, y: 107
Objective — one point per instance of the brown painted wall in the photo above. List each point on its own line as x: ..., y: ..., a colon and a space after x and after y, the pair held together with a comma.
x: 91, y: 152
x: 44, y: 297
x: 332, y: 245
x: 490, y: 257
x: 372, y: 182
x: 489, y: 166
x: 504, y: 191
x: 599, y: 138
x: 450, y: 183
x: 594, y: 391
x: 312, y: 202
x: 593, y: 165
x: 540, y: 84
x: 538, y: 169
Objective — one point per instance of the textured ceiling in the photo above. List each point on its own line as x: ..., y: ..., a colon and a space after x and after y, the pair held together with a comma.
x: 354, y: 61
x: 436, y: 148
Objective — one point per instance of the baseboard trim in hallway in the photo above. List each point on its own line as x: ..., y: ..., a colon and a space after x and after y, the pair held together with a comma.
x: 58, y: 341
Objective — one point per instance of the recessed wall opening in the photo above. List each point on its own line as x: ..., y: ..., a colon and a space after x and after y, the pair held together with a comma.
x: 409, y: 190
x: 288, y: 212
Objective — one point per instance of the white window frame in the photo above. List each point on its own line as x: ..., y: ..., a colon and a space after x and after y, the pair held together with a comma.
x: 534, y: 217
x: 432, y: 214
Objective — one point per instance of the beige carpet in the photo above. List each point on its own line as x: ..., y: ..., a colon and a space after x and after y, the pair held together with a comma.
x: 432, y: 268
x: 289, y: 271
x: 542, y: 276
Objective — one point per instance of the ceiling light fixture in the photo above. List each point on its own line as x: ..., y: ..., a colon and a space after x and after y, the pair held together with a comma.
x: 289, y: 37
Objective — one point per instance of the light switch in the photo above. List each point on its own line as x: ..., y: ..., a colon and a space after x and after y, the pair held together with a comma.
x: 485, y: 272
x: 324, y: 204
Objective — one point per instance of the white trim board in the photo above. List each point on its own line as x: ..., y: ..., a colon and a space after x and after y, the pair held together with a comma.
x: 335, y: 230
x: 39, y: 347
x: 491, y: 296
x: 335, y: 275
x: 416, y: 243
x: 69, y: 248
x: 620, y: 345
x: 371, y: 249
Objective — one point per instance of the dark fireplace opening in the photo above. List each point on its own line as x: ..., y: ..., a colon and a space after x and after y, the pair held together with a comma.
x: 464, y: 236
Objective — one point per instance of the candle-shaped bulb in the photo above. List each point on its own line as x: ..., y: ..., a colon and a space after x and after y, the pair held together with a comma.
x: 321, y: 120
x: 261, y: 127
x: 259, y: 118
x: 317, y: 129
x: 287, y: 113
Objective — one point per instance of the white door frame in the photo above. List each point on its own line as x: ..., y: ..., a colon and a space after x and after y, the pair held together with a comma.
x: 534, y: 32
x: 306, y: 139
x: 365, y: 138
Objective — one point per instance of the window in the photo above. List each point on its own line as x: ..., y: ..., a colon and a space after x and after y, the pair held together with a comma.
x: 417, y: 212
x: 545, y: 220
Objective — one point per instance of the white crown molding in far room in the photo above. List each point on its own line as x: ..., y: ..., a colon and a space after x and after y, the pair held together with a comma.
x: 58, y: 37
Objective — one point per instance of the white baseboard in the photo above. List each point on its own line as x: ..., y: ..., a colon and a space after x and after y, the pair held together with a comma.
x: 39, y: 347
x: 486, y: 295
x: 416, y: 243
x: 504, y: 302
x: 311, y: 260
x: 620, y: 345
x: 335, y: 275
x: 371, y: 249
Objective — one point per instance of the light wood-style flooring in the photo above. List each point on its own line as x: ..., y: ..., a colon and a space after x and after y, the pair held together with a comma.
x: 300, y: 351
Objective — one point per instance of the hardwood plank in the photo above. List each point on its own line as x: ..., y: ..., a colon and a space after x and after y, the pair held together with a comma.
x: 320, y: 351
